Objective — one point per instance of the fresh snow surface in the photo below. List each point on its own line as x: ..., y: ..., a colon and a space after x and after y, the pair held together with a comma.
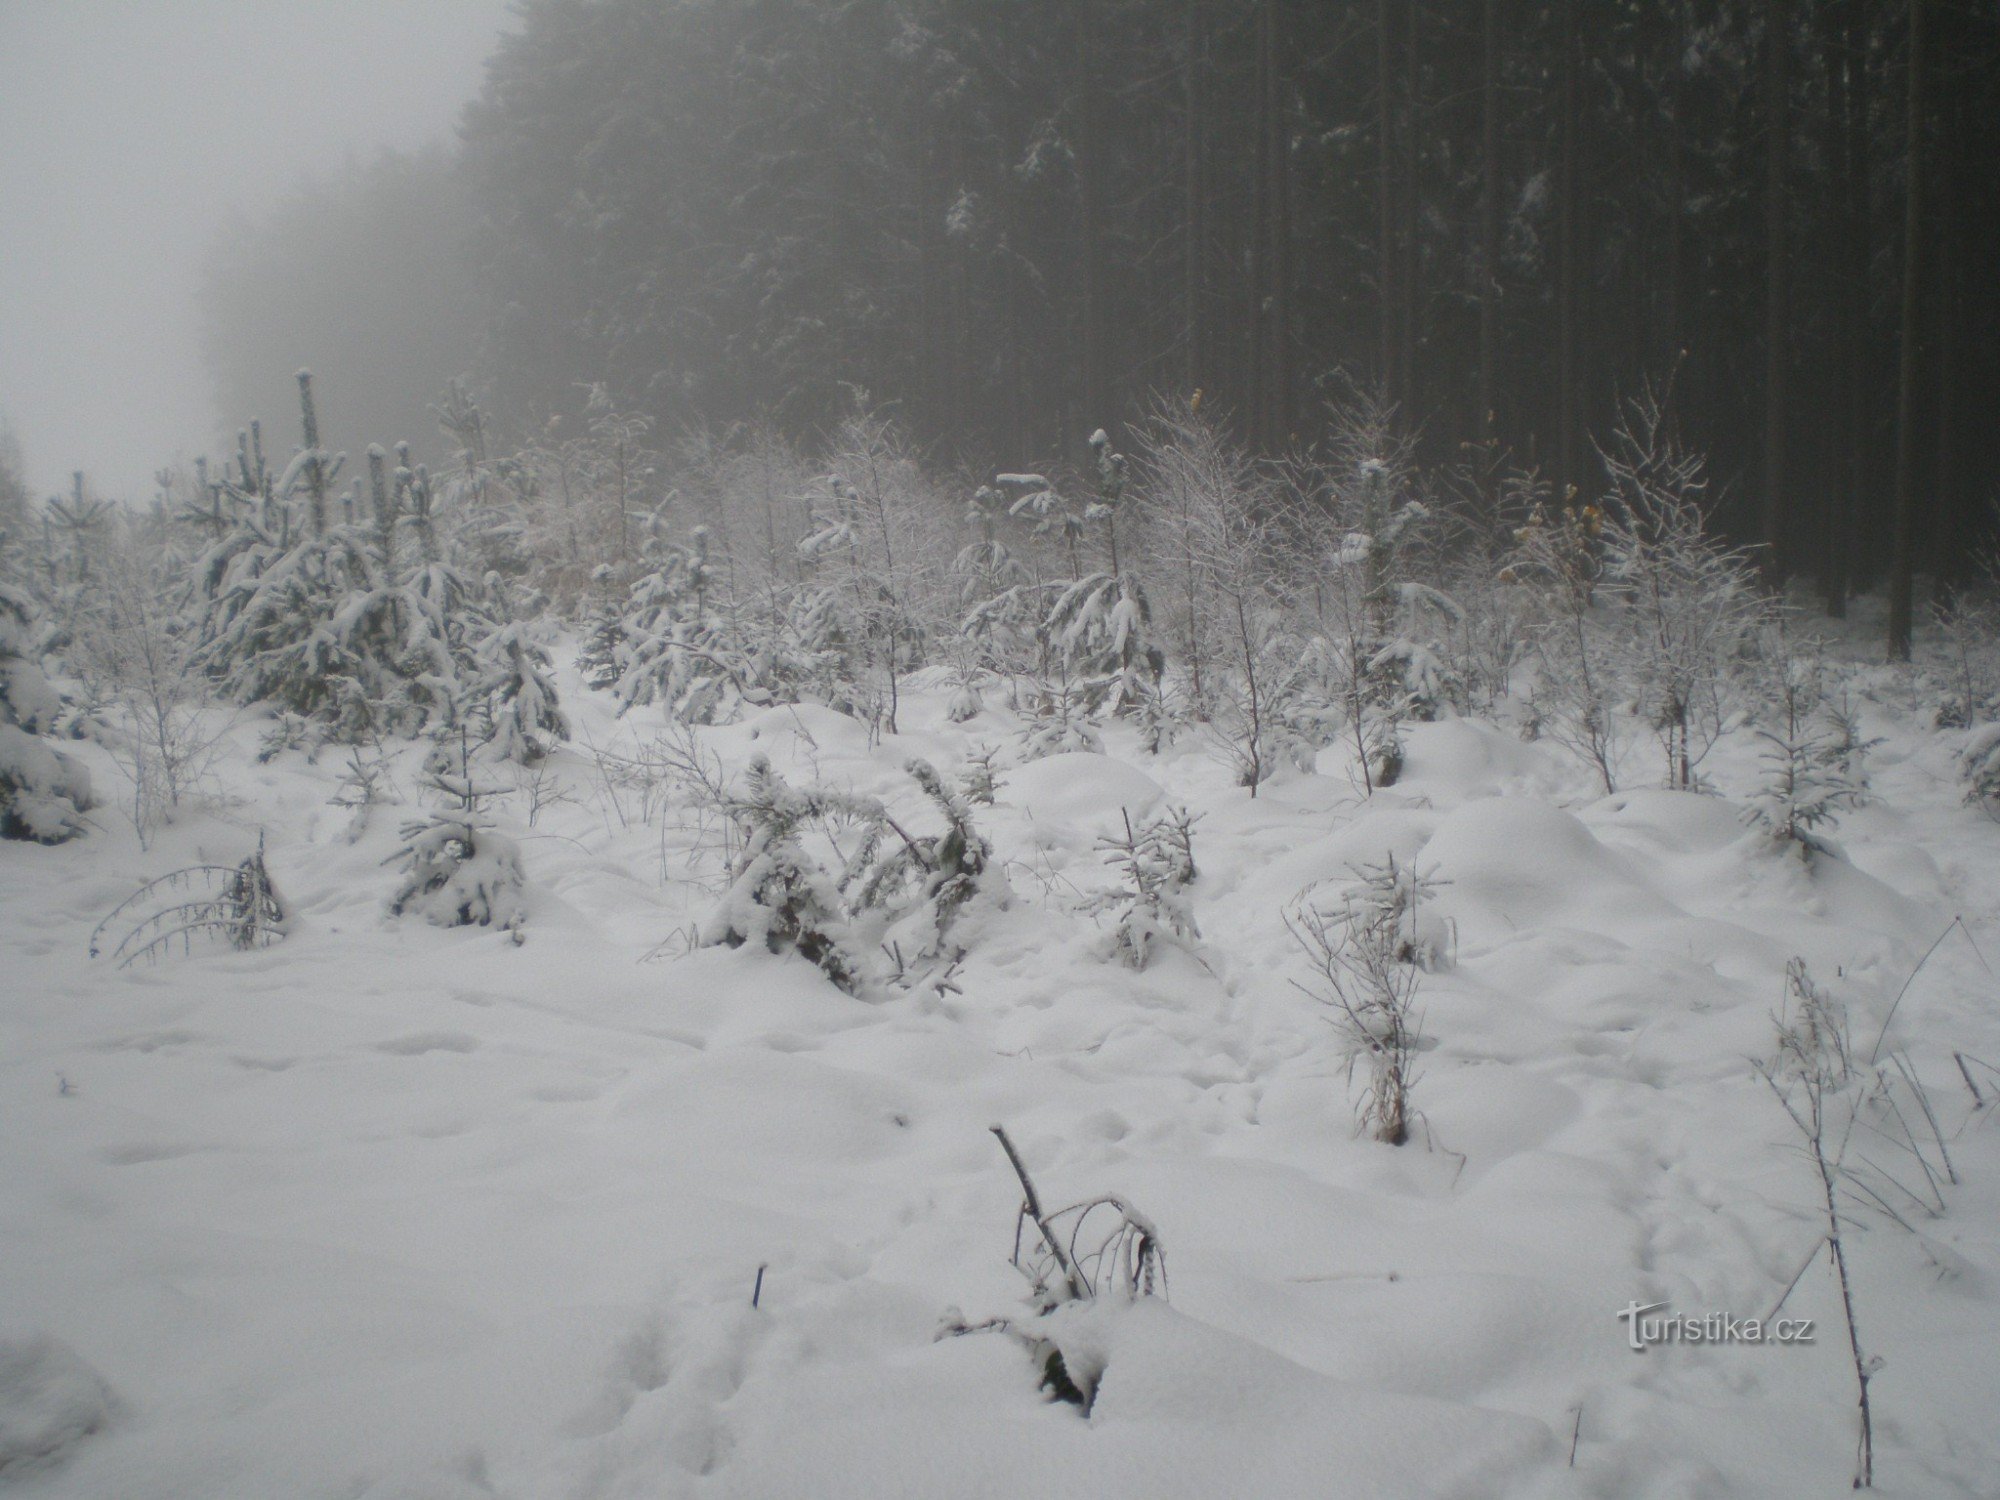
x: 390, y: 1210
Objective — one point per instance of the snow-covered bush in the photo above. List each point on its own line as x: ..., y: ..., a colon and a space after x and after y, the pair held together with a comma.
x: 1362, y: 959
x: 151, y: 704
x: 915, y: 885
x: 1101, y: 1250
x: 1689, y: 602
x: 998, y: 604
x: 955, y: 860
x: 872, y: 556
x: 794, y: 889
x: 1574, y: 700
x: 43, y: 793
x: 583, y: 496
x: 1355, y: 542
x: 364, y: 785
x: 1219, y: 540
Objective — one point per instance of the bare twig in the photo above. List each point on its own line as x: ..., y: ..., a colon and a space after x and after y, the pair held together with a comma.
x: 1032, y: 1206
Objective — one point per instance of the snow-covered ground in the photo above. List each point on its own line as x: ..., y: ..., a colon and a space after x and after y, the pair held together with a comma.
x: 392, y: 1210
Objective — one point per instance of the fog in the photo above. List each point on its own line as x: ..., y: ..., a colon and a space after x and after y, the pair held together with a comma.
x: 129, y: 132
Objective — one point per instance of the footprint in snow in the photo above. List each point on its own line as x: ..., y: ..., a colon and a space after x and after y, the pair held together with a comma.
x: 139, y: 1153
x: 265, y: 1064
x: 429, y: 1041
x: 566, y: 1093
x: 149, y: 1041
x: 791, y: 1041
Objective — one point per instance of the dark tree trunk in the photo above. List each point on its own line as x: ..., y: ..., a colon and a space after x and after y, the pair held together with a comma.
x: 1951, y: 532
x: 1409, y: 283
x: 1385, y: 234
x: 1485, y: 425
x: 1777, y: 282
x: 1194, y: 196
x: 1903, y: 544
x: 1842, y: 61
x: 1567, y: 270
x: 1270, y: 312
x: 1090, y: 154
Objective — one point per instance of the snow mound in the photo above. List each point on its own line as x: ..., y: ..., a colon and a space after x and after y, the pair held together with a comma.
x: 1082, y: 788
x: 1468, y: 758
x: 1665, y: 822
x: 43, y: 793
x: 791, y: 727
x: 1508, y: 864
x: 1372, y: 838
x: 1184, y: 1409
x: 50, y: 1401
x: 1194, y: 1391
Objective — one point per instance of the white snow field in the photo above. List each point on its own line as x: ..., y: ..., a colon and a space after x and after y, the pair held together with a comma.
x: 391, y: 1210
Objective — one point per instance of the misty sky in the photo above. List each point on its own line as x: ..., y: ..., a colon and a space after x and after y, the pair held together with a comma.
x: 129, y: 131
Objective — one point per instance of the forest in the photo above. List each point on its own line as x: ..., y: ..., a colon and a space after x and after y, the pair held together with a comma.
x: 977, y: 747
x: 1011, y: 224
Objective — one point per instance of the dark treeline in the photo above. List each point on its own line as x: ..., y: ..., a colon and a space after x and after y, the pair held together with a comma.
x: 1012, y: 221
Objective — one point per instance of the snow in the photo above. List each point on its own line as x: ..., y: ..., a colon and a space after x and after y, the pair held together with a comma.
x: 50, y: 1400
x: 1082, y: 789
x: 396, y: 1210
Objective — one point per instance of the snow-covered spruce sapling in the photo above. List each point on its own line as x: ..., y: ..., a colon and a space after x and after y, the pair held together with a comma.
x: 956, y: 860
x: 1221, y: 540
x: 671, y: 645
x: 779, y: 896
x: 1979, y: 768
x: 364, y: 785
x: 1392, y: 895
x: 457, y: 870
x: 43, y: 793
x: 977, y: 781
x: 901, y: 886
x: 515, y: 693
x: 1058, y: 719
x: 1155, y: 865
x: 289, y: 731
x: 1101, y: 623
x: 1968, y: 632
x: 235, y: 905
x: 1361, y: 958
x: 1804, y: 760
x: 997, y: 600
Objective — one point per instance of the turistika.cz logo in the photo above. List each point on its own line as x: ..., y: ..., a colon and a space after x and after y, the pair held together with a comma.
x: 1643, y: 1329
